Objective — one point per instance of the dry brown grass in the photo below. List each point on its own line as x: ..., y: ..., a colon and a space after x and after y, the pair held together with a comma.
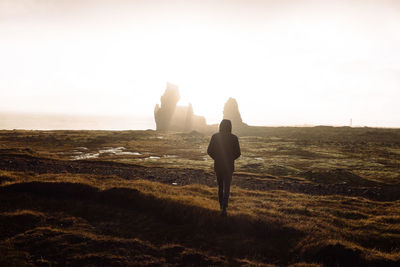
x: 292, y: 226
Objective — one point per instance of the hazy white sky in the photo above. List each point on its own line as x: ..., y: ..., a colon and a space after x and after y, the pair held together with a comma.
x: 286, y: 62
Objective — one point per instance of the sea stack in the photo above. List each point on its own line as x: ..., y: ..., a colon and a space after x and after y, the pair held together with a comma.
x: 170, y: 117
x: 231, y: 112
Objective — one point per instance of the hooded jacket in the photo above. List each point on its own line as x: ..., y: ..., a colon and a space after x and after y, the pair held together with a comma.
x: 224, y: 148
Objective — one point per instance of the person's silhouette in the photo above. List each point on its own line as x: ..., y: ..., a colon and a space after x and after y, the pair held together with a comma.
x: 224, y: 149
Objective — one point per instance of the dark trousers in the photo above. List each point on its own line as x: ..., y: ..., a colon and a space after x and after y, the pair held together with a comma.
x: 224, y: 180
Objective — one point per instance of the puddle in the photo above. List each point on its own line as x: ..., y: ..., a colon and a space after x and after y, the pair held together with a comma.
x: 111, y: 150
x: 118, y: 151
x: 170, y: 156
x: 153, y: 157
x: 131, y: 153
x: 164, y: 156
x: 86, y: 156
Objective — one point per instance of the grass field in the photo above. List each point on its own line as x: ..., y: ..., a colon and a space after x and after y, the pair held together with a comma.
x: 318, y: 196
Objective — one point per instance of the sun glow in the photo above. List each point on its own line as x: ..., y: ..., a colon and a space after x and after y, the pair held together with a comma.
x: 285, y: 65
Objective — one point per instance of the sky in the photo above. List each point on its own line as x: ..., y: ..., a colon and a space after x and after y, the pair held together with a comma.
x: 285, y: 62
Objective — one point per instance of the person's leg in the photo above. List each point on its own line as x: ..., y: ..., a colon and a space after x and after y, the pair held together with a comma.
x: 220, y: 181
x: 227, y: 188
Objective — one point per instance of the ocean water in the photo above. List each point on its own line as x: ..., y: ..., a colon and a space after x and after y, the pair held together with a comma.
x: 38, y: 121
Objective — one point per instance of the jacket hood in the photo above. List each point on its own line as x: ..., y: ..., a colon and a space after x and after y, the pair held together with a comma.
x: 225, y: 126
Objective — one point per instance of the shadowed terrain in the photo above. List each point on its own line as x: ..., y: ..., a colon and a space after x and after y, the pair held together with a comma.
x: 144, y: 198
x: 126, y: 217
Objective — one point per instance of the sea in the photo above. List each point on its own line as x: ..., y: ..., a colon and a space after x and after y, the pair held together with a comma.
x: 43, y: 121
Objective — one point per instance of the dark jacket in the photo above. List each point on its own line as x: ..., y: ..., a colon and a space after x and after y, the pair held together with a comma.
x: 224, y: 148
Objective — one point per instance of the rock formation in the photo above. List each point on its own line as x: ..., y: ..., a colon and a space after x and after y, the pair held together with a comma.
x: 170, y: 117
x: 231, y: 112
x: 163, y: 115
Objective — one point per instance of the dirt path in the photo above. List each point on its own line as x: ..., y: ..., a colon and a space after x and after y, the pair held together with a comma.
x: 28, y: 163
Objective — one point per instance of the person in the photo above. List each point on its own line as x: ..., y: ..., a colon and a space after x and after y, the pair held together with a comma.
x: 224, y: 149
